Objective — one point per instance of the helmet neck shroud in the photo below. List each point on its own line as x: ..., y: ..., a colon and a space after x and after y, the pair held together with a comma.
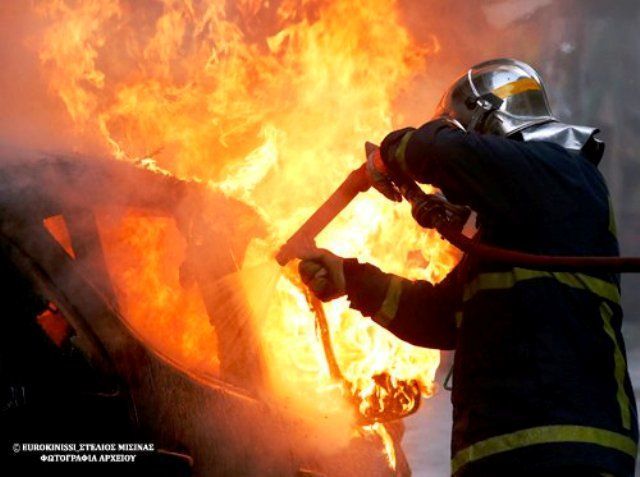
x: 507, y: 97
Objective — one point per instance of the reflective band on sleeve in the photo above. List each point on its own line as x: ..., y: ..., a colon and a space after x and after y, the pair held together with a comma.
x: 516, y: 87
x: 389, y: 308
x: 543, y: 435
x: 613, y: 228
x: 503, y: 280
x: 620, y: 366
x: 402, y: 150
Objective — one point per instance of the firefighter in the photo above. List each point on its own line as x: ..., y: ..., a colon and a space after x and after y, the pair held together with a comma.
x: 540, y: 380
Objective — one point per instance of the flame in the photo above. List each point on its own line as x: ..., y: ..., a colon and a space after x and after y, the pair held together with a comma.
x: 144, y: 255
x: 387, y: 441
x: 268, y: 103
x: 57, y: 227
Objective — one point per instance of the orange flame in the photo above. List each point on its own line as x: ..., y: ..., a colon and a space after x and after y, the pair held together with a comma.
x: 269, y: 103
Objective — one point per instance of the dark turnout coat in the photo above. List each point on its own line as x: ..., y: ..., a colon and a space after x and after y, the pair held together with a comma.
x: 540, y: 377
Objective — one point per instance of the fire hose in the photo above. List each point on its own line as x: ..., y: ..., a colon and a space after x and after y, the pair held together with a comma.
x: 431, y: 211
x: 434, y: 211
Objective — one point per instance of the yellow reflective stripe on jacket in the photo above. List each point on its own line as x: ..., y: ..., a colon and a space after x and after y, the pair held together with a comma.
x: 613, y: 228
x: 389, y: 307
x: 543, y: 435
x: 504, y: 280
x: 402, y: 150
x: 620, y: 366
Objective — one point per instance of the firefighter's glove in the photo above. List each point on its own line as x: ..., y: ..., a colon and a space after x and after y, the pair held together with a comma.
x: 379, y: 176
x: 323, y: 273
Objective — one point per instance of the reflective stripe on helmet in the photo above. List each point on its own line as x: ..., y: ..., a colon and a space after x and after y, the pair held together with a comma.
x: 504, y: 280
x: 387, y: 312
x: 543, y: 435
x: 517, y: 87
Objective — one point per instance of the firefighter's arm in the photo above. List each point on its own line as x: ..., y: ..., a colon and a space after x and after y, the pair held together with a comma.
x: 415, y: 311
x: 469, y: 168
x: 418, y: 312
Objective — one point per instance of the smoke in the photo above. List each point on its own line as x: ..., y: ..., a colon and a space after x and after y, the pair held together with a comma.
x: 30, y: 115
x: 465, y: 33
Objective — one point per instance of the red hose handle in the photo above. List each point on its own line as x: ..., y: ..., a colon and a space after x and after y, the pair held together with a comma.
x: 355, y: 183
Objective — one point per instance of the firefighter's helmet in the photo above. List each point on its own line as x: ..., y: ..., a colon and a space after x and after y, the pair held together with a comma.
x: 501, y: 96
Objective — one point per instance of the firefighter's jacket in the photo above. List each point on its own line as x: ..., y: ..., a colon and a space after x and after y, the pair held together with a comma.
x: 540, y: 376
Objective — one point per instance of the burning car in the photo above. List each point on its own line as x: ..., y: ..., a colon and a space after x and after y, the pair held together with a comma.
x: 219, y: 121
x: 206, y: 413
